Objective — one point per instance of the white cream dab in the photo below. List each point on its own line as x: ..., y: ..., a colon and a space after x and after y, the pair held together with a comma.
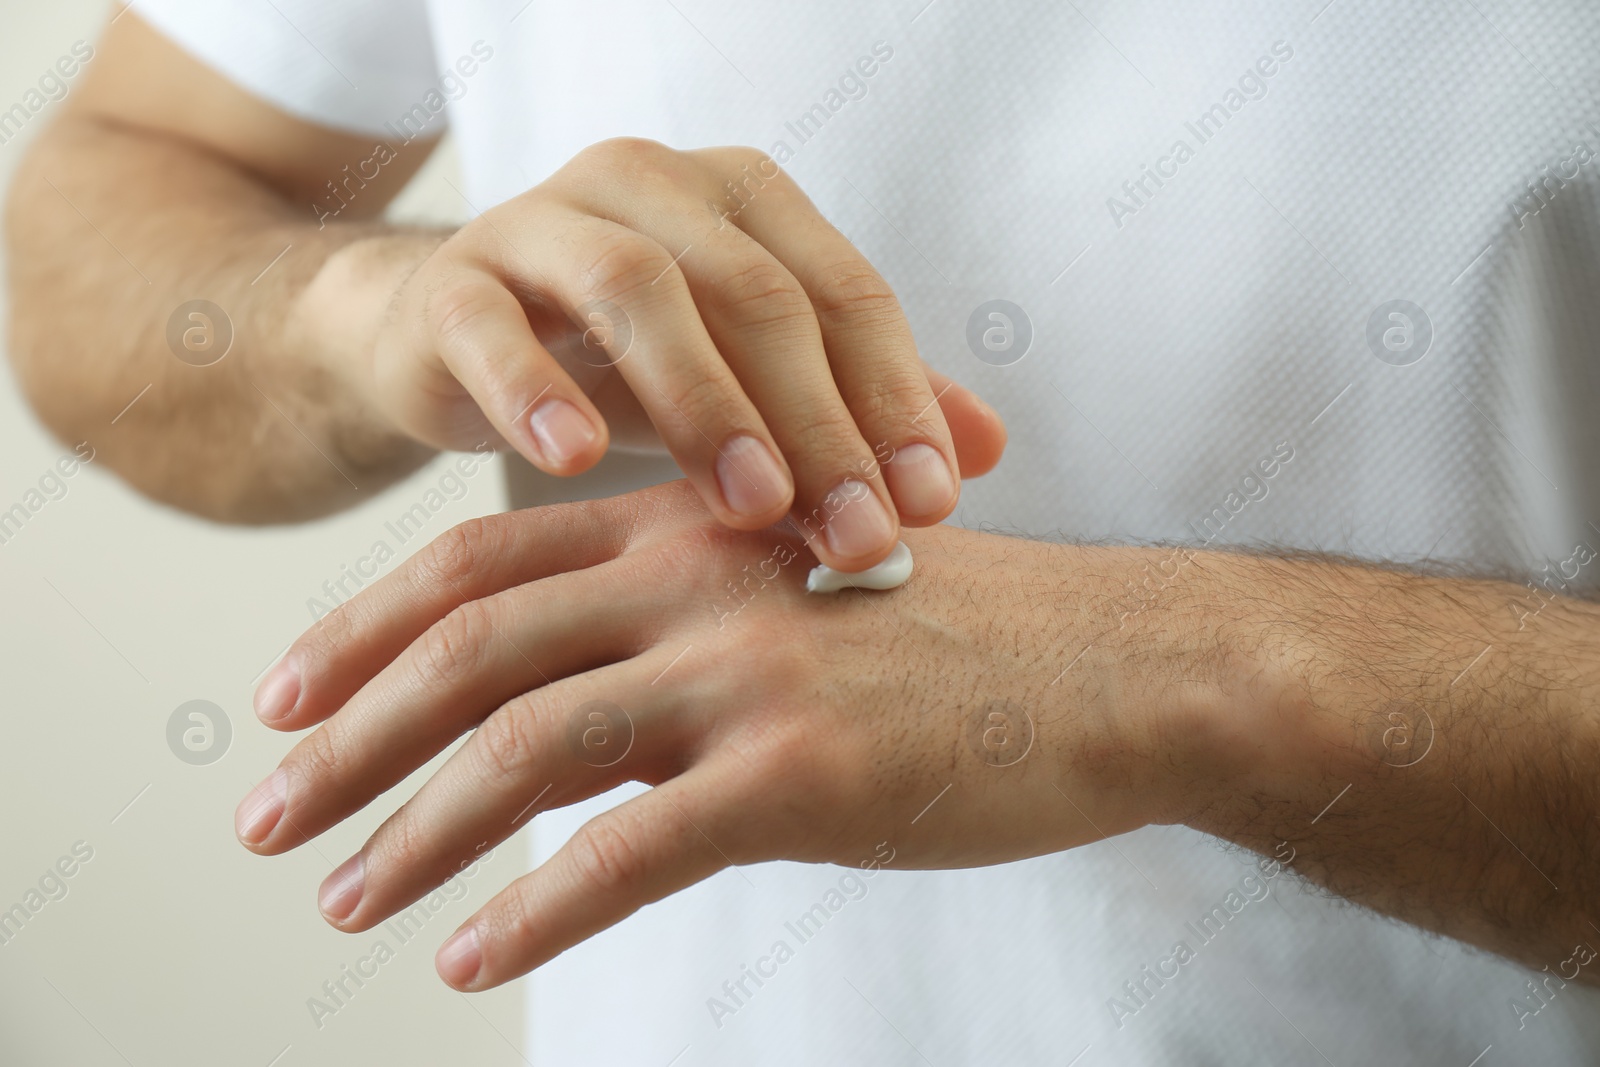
x: 890, y: 574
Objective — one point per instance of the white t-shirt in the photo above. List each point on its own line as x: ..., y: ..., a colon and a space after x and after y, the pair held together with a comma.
x: 1205, y: 212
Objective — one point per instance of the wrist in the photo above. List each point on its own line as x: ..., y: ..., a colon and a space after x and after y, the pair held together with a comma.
x: 335, y: 319
x: 1248, y: 733
x: 1185, y: 675
x: 1344, y: 677
x: 1140, y: 677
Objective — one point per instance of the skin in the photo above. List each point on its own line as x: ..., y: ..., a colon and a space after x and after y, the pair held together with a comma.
x: 1238, y: 695
x: 1421, y: 745
x: 738, y: 328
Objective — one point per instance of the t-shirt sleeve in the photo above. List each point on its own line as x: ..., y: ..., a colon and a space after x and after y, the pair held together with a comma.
x: 350, y: 64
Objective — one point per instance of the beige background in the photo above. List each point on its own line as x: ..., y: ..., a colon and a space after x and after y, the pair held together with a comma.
x: 174, y: 946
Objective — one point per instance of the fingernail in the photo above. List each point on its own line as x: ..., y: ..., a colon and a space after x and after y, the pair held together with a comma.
x: 561, y: 431
x: 341, y: 890
x: 861, y: 526
x: 278, y: 693
x: 460, y: 957
x: 751, y: 481
x: 260, y: 811
x: 920, y: 480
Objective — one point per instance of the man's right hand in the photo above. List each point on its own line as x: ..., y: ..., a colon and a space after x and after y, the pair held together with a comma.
x: 702, y: 296
x: 639, y: 295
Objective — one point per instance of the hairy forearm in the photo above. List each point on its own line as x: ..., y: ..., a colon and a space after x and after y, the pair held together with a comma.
x: 1424, y: 745
x: 109, y: 231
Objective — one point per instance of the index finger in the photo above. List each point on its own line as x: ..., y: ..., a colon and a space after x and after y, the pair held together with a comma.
x: 327, y: 664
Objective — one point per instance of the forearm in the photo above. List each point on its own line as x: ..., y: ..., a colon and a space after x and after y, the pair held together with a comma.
x: 1425, y: 746
x: 109, y: 231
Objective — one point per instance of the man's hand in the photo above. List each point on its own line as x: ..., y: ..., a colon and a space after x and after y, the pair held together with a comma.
x: 701, y: 294
x: 590, y: 644
x: 1423, y: 746
x: 640, y: 294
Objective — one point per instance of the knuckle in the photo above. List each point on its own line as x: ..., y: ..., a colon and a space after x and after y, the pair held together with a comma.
x: 399, y: 845
x: 704, y: 402
x: 750, y: 156
x: 459, y: 309
x: 782, y: 759
x: 512, y: 914
x: 785, y: 759
x: 857, y: 292
x: 319, y: 756
x: 763, y: 292
x: 627, y: 153
x: 688, y: 556
x: 636, y: 164
x: 453, y: 645
x: 606, y: 858
x: 774, y: 178
x: 504, y: 744
x: 453, y: 557
x: 826, y: 440
x: 895, y: 398
x: 334, y: 631
x: 750, y: 168
x: 620, y: 262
